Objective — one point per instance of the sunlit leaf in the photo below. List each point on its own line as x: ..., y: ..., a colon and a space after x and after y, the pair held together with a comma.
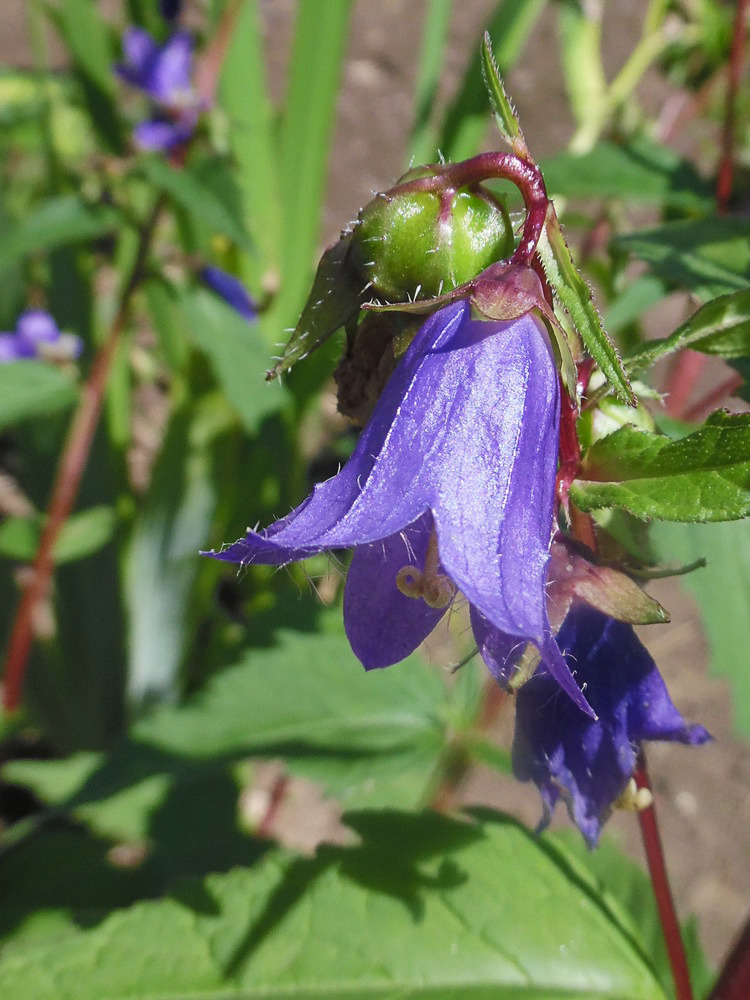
x: 446, y: 906
x: 702, y: 477
x: 31, y: 389
x: 575, y: 295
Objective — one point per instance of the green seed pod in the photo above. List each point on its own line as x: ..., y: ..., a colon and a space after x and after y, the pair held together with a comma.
x: 419, y: 244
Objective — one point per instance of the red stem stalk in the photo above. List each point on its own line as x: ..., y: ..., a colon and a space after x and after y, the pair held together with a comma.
x: 734, y: 979
x: 67, y: 481
x: 660, y: 881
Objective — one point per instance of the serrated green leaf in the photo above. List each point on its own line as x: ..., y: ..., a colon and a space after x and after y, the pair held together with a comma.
x: 709, y: 257
x: 575, y: 296
x: 448, y: 906
x: 192, y: 193
x: 82, y: 534
x: 237, y: 353
x: 334, y: 299
x: 505, y: 115
x: 641, y: 170
x: 55, y: 222
x: 721, y: 327
x: 33, y: 389
x: 702, y: 477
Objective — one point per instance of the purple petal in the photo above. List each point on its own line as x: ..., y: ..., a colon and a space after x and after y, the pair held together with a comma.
x: 591, y: 762
x: 140, y: 51
x: 467, y: 427
x: 231, y: 290
x: 168, y: 80
x: 159, y: 136
x: 36, y: 327
x: 499, y: 650
x: 382, y: 624
x: 376, y: 493
x: 13, y: 349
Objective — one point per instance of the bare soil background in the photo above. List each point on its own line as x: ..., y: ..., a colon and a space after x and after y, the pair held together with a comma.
x: 703, y: 796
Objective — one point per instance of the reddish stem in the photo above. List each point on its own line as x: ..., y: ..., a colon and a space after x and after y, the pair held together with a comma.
x: 660, y: 881
x: 67, y: 481
x: 734, y: 979
x: 276, y: 800
x: 681, y: 380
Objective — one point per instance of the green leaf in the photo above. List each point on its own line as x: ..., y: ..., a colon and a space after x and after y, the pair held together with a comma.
x: 334, y: 299
x: 465, y: 121
x: 720, y: 327
x: 55, y: 222
x: 641, y: 170
x: 33, y: 389
x: 632, y: 302
x: 452, y: 909
x: 86, y: 35
x: 368, y: 738
x: 237, y: 353
x: 197, y: 196
x: 719, y: 589
x: 581, y: 52
x: 575, y: 295
x: 88, y: 42
x: 625, y: 888
x: 702, y: 477
x: 162, y: 561
x: 709, y: 257
x: 81, y: 535
x: 252, y: 136
x: 305, y: 133
x: 435, y: 30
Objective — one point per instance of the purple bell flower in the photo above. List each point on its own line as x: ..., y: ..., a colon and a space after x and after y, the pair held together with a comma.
x: 589, y: 763
x: 231, y: 290
x: 37, y: 336
x: 164, y: 74
x: 451, y: 487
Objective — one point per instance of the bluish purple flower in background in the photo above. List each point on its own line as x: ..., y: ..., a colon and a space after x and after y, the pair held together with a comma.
x: 163, y: 72
x: 450, y: 488
x: 38, y: 336
x: 170, y: 9
x: 231, y: 290
x: 589, y: 763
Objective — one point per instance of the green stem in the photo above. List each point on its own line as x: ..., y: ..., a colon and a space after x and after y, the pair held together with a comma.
x: 70, y: 470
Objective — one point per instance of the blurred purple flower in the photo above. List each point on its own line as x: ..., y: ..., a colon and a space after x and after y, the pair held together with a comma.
x: 589, y: 763
x: 170, y: 9
x: 37, y: 336
x: 450, y: 487
x: 163, y: 72
x: 231, y: 290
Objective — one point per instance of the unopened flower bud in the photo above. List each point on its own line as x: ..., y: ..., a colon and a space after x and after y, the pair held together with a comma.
x: 419, y: 244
